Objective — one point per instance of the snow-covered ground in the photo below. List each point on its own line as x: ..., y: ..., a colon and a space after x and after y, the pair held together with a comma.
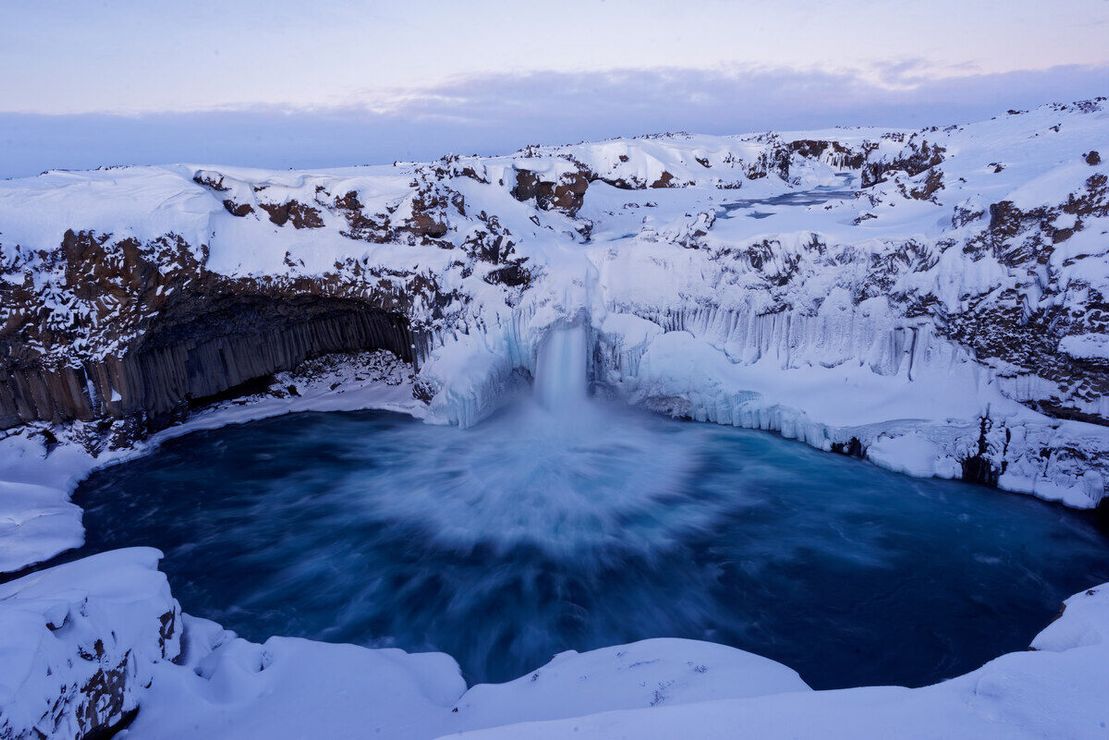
x: 948, y: 283
x: 85, y: 643
x: 934, y: 300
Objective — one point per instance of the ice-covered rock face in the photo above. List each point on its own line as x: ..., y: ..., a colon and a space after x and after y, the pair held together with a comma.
x: 934, y: 279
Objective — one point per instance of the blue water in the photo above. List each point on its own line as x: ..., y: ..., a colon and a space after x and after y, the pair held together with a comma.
x: 521, y: 537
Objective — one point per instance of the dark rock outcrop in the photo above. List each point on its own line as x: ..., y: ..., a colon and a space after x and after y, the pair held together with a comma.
x: 977, y: 468
x: 237, y: 209
x: 566, y: 194
x: 913, y: 160
x: 199, y: 348
x: 301, y: 216
x: 144, y: 329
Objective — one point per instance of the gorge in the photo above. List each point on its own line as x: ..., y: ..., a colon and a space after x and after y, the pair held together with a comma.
x: 508, y: 407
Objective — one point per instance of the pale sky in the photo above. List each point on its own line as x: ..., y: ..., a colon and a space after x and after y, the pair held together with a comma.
x: 456, y: 74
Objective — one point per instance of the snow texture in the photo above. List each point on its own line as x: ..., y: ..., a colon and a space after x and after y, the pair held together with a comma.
x: 79, y: 643
x: 932, y: 299
x: 1055, y: 690
x: 64, y: 625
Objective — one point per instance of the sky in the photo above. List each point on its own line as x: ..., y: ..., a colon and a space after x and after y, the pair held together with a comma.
x: 312, y: 84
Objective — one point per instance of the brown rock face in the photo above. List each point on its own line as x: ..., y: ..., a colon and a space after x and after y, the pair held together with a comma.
x: 300, y: 215
x: 915, y: 159
x: 841, y: 156
x: 1007, y: 328
x: 237, y: 209
x: 664, y: 180
x: 566, y: 195
x: 926, y: 190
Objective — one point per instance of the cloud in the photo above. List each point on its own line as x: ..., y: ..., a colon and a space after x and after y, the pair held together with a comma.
x: 500, y: 113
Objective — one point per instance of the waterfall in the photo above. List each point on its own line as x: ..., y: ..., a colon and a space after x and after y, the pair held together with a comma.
x: 561, y: 378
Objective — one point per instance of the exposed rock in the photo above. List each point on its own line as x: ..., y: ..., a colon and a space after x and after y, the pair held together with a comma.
x: 238, y: 209
x: 375, y: 229
x: 512, y: 275
x: 926, y: 190
x: 913, y: 160
x: 300, y: 215
x: 210, y: 180
x: 566, y: 194
x: 977, y: 468
x: 137, y: 325
x: 173, y: 332
x: 852, y: 448
x: 664, y: 180
x: 841, y: 156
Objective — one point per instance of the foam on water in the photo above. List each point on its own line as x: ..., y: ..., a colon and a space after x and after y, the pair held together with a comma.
x: 559, y: 472
x: 530, y: 475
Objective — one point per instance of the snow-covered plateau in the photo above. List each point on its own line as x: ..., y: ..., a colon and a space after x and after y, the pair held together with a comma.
x: 934, y: 301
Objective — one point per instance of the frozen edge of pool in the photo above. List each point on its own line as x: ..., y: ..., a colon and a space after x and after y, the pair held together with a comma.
x: 87, y: 643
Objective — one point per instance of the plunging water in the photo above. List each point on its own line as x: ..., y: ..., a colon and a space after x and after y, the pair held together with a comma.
x: 572, y: 524
x: 561, y: 381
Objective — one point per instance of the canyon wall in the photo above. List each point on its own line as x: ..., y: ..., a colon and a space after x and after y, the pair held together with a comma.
x: 196, y: 351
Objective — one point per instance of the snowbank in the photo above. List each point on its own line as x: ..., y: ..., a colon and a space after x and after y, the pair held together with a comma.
x: 83, y: 644
x: 930, y: 299
x: 79, y: 643
x: 1055, y: 690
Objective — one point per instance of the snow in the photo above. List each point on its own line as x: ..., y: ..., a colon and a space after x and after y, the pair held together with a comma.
x: 1057, y: 690
x: 224, y: 686
x: 37, y: 519
x: 1086, y: 346
x: 911, y: 453
x: 744, y: 295
x: 62, y: 628
x: 298, y: 688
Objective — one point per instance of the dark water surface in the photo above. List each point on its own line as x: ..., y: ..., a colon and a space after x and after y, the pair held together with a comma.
x: 519, y: 538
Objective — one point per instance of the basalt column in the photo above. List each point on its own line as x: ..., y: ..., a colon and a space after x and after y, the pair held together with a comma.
x: 201, y: 348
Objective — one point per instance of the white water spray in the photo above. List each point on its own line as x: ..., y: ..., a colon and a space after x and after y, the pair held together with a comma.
x: 561, y: 471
